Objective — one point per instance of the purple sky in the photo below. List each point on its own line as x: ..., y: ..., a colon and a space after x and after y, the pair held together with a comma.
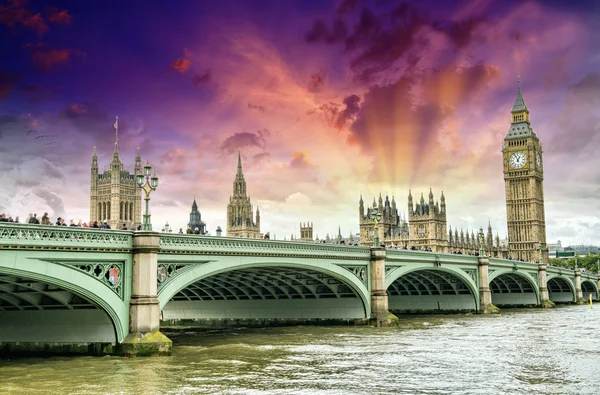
x: 325, y: 100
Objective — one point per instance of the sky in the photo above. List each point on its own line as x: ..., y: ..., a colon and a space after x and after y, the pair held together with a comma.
x: 325, y: 100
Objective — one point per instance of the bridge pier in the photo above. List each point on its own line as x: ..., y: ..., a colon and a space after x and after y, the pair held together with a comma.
x: 379, y: 297
x: 144, y: 337
x: 578, y: 291
x: 545, y: 301
x: 485, y: 295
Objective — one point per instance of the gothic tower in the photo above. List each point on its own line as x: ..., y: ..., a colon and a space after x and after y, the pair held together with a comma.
x: 115, y: 195
x: 240, y: 215
x: 524, y: 177
x: 196, y: 220
x: 427, y: 223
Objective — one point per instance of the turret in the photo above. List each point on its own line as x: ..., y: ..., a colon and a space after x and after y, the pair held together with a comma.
x: 94, y: 163
x: 450, y: 239
x: 138, y: 162
x: 410, y: 203
x: 361, y: 208
x: 257, y: 217
x: 490, y: 236
x: 430, y: 198
x: 443, y: 203
x: 380, y: 204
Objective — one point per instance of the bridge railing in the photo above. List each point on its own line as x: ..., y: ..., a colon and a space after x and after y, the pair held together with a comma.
x: 62, y: 237
x: 402, y: 255
x: 244, y: 246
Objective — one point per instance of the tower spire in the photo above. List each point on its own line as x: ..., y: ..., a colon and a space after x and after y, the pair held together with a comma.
x: 239, y: 168
x: 519, y: 105
x: 116, y: 126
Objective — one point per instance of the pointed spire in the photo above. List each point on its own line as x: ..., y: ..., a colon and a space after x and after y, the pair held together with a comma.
x: 137, y: 154
x: 519, y: 101
x: 239, y: 168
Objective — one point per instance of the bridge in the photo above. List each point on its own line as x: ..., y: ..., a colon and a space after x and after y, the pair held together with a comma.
x: 69, y: 289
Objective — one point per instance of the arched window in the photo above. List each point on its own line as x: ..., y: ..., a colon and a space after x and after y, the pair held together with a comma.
x: 121, y: 210
x: 131, y: 216
x: 108, y: 211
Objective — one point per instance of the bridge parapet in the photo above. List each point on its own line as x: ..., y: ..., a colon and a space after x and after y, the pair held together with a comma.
x: 44, y: 237
x: 415, y: 256
x: 207, y: 245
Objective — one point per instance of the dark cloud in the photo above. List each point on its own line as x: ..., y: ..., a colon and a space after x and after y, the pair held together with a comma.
x: 579, y: 121
x: 348, y: 114
x: 320, y: 33
x: 380, y: 40
x: 201, y: 79
x: 316, y: 81
x: 261, y: 157
x: 47, y: 58
x: 15, y: 13
x: 59, y: 17
x: 8, y: 80
x: 461, y: 32
x: 346, y: 6
x: 256, y: 107
x: 244, y: 140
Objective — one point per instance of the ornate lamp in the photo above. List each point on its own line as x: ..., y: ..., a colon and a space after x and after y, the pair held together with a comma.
x: 150, y: 185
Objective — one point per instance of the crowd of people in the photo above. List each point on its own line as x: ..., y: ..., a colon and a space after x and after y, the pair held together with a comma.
x: 45, y: 220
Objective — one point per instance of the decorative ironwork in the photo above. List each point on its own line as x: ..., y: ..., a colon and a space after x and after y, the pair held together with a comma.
x: 359, y: 271
x: 63, y: 236
x: 177, y: 244
x: 108, y: 273
x: 166, y: 272
x: 472, y: 273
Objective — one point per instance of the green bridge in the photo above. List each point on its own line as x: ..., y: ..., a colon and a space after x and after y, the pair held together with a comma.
x: 108, y: 291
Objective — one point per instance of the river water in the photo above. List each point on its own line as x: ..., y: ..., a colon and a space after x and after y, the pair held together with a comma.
x: 554, y: 351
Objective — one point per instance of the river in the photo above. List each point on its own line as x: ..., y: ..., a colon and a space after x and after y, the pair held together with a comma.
x: 554, y: 351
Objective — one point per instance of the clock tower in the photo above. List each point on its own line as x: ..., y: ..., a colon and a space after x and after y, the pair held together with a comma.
x: 523, y: 177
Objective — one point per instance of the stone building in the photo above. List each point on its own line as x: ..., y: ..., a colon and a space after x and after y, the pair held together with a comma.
x: 524, y: 177
x: 196, y: 219
x: 240, y: 215
x: 391, y: 225
x: 306, y: 231
x: 426, y: 228
x: 114, y: 194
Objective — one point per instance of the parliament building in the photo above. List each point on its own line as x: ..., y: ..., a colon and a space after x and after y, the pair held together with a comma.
x: 425, y: 228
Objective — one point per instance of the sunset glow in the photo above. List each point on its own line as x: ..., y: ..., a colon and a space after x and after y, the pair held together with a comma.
x: 325, y: 100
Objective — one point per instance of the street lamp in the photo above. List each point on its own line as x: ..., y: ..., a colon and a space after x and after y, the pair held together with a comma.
x: 377, y: 217
x: 149, y: 186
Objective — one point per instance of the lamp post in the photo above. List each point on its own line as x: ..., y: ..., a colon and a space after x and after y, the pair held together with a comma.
x: 149, y: 186
x: 377, y: 217
x: 576, y: 263
x: 481, y: 242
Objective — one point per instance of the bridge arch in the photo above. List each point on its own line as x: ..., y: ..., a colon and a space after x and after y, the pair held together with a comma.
x: 589, y: 287
x: 271, y: 289
x: 513, y: 288
x: 560, y: 288
x: 85, y: 310
x: 419, y: 289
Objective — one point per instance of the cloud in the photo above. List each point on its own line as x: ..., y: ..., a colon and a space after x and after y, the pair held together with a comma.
x: 349, y: 114
x: 16, y: 13
x: 300, y: 160
x: 320, y: 33
x: 579, y: 120
x: 8, y: 80
x: 256, y: 107
x: 242, y: 140
x: 461, y: 32
x: 46, y: 58
x: 175, y: 161
x: 201, y: 79
x: 59, y: 17
x: 346, y: 6
x: 316, y: 81
x: 181, y: 65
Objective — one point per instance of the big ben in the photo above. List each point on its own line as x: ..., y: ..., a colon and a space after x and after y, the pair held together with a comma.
x: 524, y: 177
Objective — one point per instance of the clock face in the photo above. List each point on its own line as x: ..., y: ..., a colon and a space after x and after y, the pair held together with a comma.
x: 539, y: 160
x: 517, y: 160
